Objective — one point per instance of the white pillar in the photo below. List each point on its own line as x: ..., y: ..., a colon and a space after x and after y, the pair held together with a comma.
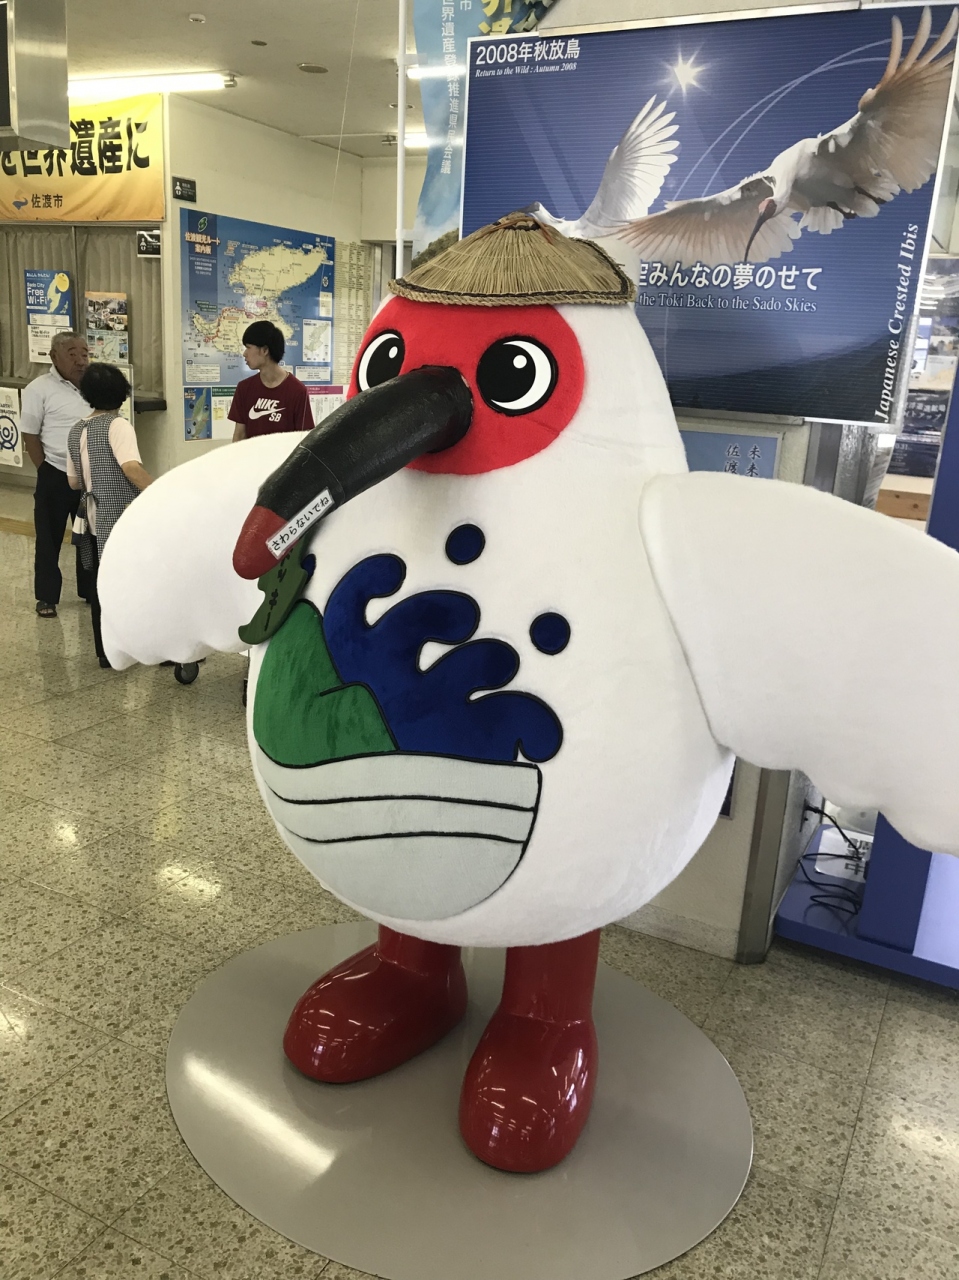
x: 401, y: 137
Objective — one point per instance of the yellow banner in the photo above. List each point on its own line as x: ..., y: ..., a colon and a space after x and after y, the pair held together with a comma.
x: 111, y: 172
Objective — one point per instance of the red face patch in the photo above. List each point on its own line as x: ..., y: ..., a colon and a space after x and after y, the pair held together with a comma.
x: 523, y: 366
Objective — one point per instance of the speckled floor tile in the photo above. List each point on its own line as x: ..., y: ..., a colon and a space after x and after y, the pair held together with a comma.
x: 116, y: 976
x: 232, y: 912
x: 917, y: 1057
x: 37, y: 1045
x: 271, y: 859
x: 116, y: 737
x: 315, y: 908
x: 33, y: 683
x: 803, y: 1117
x: 194, y: 751
x: 75, y: 782
x: 927, y: 997
x: 20, y: 758
x: 904, y: 1165
x: 806, y: 962
x: 777, y: 1231
x: 828, y: 1023
x: 10, y: 803
x: 863, y: 1247
x: 187, y: 1218
x: 224, y: 823
x: 100, y: 1136
x: 36, y: 923
x: 690, y: 980
x: 115, y: 1257
x: 35, y: 832
x: 152, y: 1035
x: 116, y: 872
x: 39, y: 1232
x: 69, y: 715
x: 337, y: 1271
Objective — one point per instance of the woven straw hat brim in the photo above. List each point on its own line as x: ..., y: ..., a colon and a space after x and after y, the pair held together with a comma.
x: 518, y: 262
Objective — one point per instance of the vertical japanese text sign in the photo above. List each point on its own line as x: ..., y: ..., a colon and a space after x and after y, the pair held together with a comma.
x: 111, y: 172
x: 442, y: 28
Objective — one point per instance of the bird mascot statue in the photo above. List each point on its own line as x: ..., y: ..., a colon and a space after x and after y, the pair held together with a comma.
x: 505, y: 649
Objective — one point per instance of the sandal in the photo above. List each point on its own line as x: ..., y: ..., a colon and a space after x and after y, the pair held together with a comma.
x: 45, y: 610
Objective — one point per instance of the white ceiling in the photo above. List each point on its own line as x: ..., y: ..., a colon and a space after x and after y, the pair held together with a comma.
x: 125, y: 37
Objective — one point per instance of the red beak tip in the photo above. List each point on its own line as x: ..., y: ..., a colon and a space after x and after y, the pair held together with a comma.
x: 251, y: 556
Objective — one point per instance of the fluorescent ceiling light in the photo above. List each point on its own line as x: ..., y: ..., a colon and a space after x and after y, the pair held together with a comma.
x: 416, y: 141
x: 105, y: 89
x: 435, y: 73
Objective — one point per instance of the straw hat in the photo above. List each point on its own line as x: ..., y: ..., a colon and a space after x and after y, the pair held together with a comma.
x: 517, y: 261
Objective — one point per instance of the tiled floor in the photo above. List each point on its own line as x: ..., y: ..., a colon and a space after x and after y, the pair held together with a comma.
x: 135, y: 856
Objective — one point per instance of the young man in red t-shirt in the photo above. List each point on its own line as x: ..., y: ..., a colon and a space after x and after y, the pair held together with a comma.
x: 272, y: 400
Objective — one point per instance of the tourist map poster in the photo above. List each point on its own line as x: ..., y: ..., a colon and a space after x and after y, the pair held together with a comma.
x: 234, y: 272
x: 772, y: 204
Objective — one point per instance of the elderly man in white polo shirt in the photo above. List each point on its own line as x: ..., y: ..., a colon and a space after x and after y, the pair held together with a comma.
x: 50, y: 406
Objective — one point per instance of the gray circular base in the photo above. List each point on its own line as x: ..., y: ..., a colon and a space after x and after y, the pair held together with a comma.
x: 375, y: 1175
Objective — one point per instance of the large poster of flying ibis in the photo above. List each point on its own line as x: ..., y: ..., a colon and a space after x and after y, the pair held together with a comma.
x: 767, y: 181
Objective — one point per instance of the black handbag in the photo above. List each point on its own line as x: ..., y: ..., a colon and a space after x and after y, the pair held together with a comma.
x: 81, y: 536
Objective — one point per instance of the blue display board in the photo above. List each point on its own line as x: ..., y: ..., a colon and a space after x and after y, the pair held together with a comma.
x: 817, y: 329
x: 235, y: 272
x: 738, y: 455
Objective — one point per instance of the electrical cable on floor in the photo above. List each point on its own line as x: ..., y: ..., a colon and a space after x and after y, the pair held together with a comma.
x: 834, y: 898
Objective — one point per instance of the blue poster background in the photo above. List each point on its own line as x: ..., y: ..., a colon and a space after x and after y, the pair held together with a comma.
x: 818, y: 349
x: 234, y: 272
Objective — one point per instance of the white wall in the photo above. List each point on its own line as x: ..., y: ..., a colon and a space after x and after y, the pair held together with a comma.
x: 242, y: 170
x: 379, y: 194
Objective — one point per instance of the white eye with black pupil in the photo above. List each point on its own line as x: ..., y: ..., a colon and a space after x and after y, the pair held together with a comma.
x: 381, y: 361
x: 516, y: 375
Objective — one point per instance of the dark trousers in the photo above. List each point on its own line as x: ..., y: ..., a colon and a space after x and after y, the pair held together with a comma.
x: 54, y: 503
x: 95, y: 600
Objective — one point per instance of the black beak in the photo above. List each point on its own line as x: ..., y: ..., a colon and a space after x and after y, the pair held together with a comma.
x: 767, y: 210
x: 368, y: 439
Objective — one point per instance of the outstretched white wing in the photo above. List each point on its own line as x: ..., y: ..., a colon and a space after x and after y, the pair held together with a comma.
x: 635, y: 171
x: 821, y: 637
x: 714, y: 229
x: 167, y: 584
x: 897, y: 130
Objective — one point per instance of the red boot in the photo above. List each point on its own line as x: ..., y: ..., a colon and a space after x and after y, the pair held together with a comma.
x: 376, y: 1010
x: 529, y: 1085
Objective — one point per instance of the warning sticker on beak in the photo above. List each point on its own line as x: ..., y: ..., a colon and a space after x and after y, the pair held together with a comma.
x: 280, y: 542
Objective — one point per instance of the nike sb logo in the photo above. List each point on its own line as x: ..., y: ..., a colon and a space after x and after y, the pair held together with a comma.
x: 264, y: 407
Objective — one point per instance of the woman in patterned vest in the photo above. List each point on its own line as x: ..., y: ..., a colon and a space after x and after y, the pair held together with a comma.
x: 104, y: 461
